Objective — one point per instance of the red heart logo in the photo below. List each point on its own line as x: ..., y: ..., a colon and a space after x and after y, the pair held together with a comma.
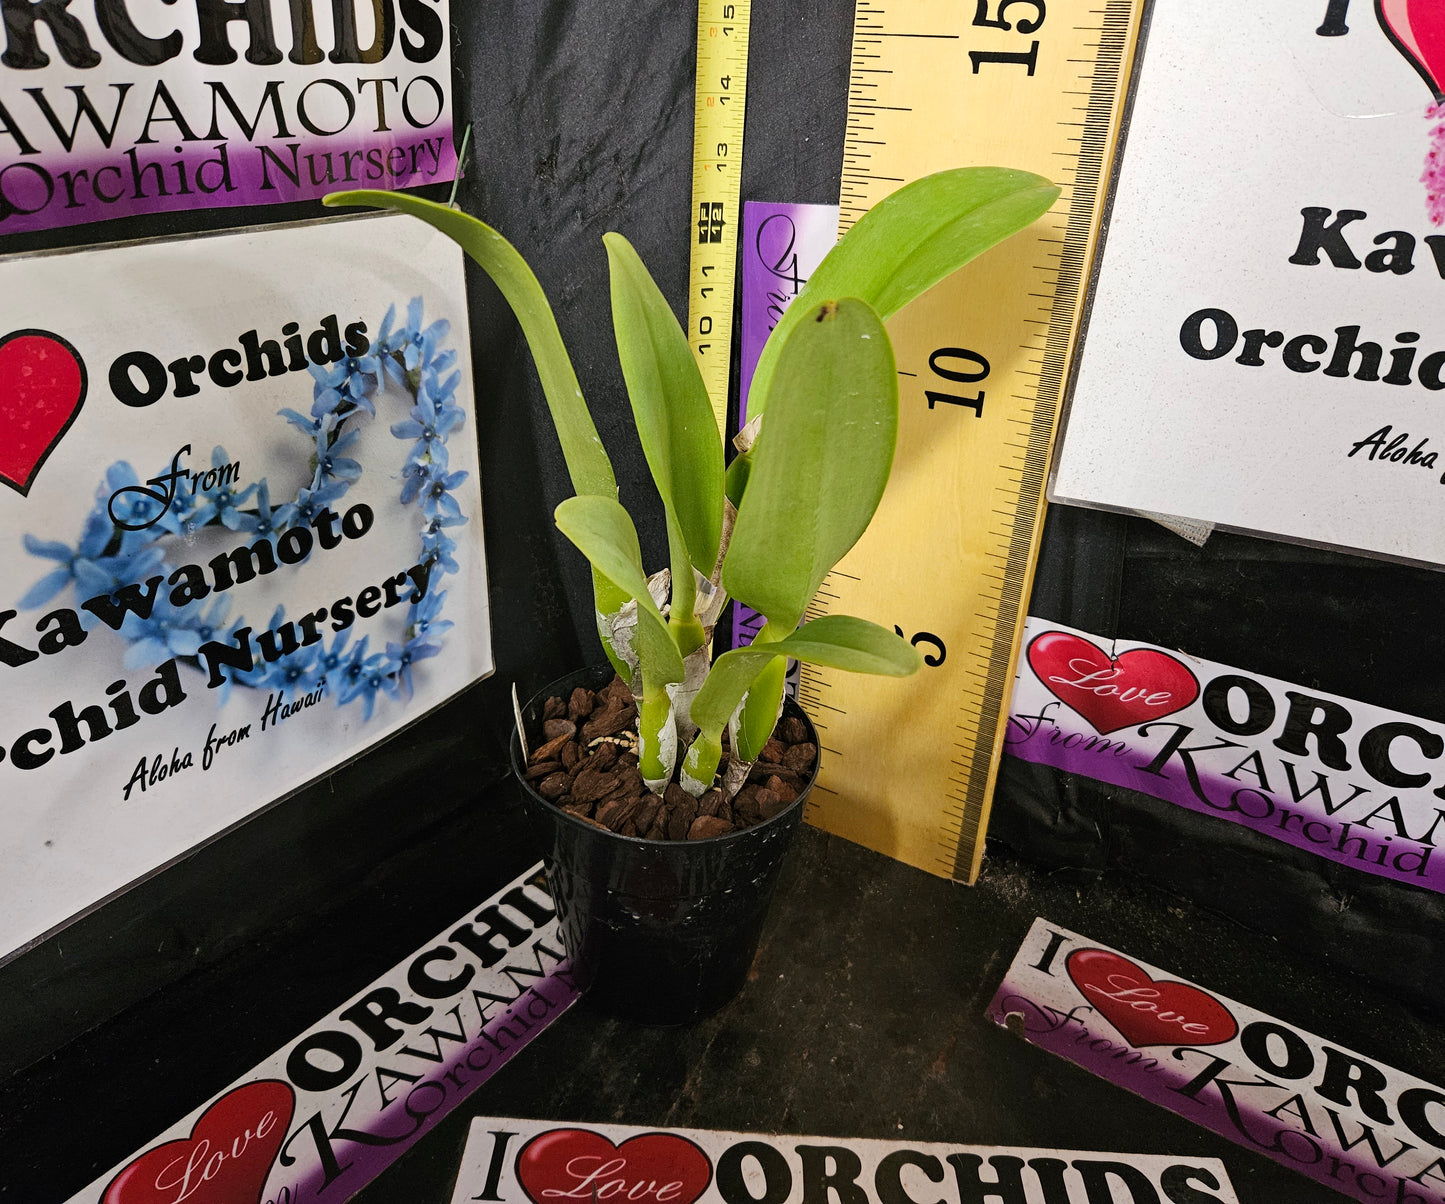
x: 226, y: 1159
x: 1111, y: 692
x: 1147, y: 1012
x: 1417, y: 28
x: 577, y: 1164
x: 42, y: 386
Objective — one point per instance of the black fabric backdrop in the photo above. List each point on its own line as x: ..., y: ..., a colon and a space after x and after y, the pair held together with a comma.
x: 583, y: 119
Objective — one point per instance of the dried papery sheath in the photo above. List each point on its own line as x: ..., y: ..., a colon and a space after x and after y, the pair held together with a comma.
x: 735, y: 776
x: 711, y: 598
x: 746, y: 437
x: 696, y: 664
x: 619, y: 632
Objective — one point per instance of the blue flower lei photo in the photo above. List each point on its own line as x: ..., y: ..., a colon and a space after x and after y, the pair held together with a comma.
x: 122, y: 541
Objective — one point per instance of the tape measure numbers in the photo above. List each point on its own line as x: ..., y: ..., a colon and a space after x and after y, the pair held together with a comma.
x: 949, y: 559
x: 717, y: 167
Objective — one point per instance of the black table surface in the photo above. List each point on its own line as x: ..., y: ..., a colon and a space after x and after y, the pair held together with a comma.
x: 863, y: 1017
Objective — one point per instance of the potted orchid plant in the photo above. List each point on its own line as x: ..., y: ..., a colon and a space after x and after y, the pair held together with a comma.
x: 809, y: 472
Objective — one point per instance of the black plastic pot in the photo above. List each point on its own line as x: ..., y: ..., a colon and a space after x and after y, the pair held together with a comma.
x: 661, y: 932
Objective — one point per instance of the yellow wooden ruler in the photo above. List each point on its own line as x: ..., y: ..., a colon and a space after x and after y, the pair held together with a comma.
x: 949, y: 559
x: 717, y: 170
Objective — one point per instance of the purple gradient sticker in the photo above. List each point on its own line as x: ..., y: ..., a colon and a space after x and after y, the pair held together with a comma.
x: 782, y: 246
x: 1356, y: 1125
x: 40, y: 194
x: 1341, y: 779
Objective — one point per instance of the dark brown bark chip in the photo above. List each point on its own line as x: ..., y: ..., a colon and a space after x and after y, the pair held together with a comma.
x: 616, y: 813
x: 550, y: 751
x: 773, y: 751
x: 558, y: 727
x: 629, y: 759
x: 745, y: 805
x: 710, y: 801
x: 647, y: 812
x: 629, y: 829
x: 542, y: 769
x: 658, y: 830
x: 552, y: 787
x: 554, y: 708
x: 604, y: 756
x: 580, y: 810
x: 726, y: 812
x: 705, y: 826
x: 773, y: 808
x: 675, y: 796
x: 593, y: 784
x: 571, y: 754
x: 680, y: 819
x: 793, y: 730
x: 795, y: 780
x: 776, y: 785
x: 800, y: 758
x: 579, y: 706
x: 606, y: 721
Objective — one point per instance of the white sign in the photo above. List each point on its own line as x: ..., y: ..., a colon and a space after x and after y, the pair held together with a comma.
x: 322, y: 1117
x: 1360, y: 1127
x: 240, y: 524
x: 543, y: 1161
x: 1267, y: 348
x: 119, y: 107
x: 1342, y: 779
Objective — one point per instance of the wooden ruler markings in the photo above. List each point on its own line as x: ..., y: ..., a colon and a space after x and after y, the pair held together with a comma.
x: 931, y: 808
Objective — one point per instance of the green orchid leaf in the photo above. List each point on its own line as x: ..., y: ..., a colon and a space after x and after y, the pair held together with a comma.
x: 603, y: 532
x: 670, y: 405
x: 761, y: 708
x: 907, y: 243
x: 820, y: 463
x: 834, y: 641
x: 587, y: 461
x: 736, y: 481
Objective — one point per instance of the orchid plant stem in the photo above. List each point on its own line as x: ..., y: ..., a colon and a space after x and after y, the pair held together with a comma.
x: 765, y: 697
x: 763, y: 703
x: 657, y: 737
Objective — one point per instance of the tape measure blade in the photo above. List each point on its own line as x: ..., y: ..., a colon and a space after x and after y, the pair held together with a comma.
x: 949, y: 560
x: 719, y: 120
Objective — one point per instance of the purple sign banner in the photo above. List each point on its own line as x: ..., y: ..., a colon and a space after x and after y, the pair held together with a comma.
x: 1360, y: 1127
x: 146, y: 106
x: 782, y: 246
x: 542, y: 1160
x: 1351, y: 782
x: 319, y: 1120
